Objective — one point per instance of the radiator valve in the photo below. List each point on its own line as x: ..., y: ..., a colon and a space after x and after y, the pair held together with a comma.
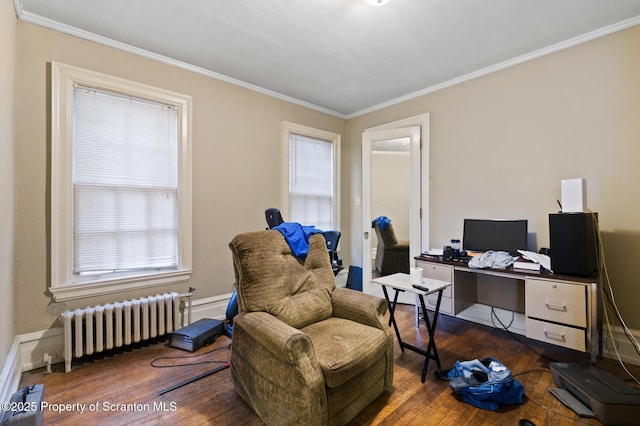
x: 48, y: 359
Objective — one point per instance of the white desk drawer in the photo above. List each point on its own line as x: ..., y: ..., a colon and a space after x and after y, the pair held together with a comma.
x: 431, y: 300
x: 554, y: 301
x: 436, y: 272
x: 556, y: 334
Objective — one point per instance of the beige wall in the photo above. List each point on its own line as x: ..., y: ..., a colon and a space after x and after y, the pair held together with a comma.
x: 7, y: 193
x: 500, y: 144
x: 512, y: 136
x: 236, y: 162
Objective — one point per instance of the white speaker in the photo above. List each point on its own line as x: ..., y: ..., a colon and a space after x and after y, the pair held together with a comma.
x: 574, y: 195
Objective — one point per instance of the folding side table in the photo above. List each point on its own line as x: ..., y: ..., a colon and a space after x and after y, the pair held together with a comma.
x: 402, y: 282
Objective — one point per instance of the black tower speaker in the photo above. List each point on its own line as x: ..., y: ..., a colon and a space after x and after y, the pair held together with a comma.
x: 573, y: 239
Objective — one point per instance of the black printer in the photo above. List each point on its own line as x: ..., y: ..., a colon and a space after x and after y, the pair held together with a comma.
x: 591, y: 392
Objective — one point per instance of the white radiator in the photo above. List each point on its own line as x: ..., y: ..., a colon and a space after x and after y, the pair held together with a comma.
x: 104, y: 327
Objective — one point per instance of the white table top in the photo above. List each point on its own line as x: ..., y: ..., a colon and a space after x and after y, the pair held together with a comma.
x: 402, y: 281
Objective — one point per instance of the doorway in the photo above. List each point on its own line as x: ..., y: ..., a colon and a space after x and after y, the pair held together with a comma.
x: 391, y: 185
x: 420, y: 187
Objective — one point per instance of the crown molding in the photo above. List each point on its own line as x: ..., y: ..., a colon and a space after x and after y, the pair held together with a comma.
x: 622, y: 25
x: 86, y: 35
x: 57, y: 26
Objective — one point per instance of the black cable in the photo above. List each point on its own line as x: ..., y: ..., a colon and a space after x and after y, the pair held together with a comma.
x: 505, y: 327
x: 153, y: 362
x: 542, y: 406
x: 514, y: 337
x: 193, y: 379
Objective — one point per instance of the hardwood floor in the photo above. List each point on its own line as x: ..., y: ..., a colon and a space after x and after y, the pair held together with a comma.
x: 123, y: 388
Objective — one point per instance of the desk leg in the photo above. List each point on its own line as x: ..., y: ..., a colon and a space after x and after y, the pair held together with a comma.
x: 392, y: 318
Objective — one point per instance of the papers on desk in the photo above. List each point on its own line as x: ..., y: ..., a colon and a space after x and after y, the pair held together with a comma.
x: 434, y: 252
x: 522, y: 263
x: 533, y: 261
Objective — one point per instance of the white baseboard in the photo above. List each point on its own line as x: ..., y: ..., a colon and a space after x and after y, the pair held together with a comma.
x: 625, y: 349
x: 32, y: 347
x: 11, y: 372
x: 211, y: 307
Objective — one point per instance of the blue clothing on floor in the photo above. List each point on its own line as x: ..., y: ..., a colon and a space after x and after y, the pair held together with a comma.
x: 485, y: 384
x: 297, y: 237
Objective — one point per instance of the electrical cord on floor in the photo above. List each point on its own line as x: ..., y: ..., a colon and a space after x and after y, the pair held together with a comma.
x: 155, y: 360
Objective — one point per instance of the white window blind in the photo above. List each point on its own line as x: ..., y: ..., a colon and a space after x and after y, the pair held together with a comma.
x: 311, y: 181
x: 125, y: 183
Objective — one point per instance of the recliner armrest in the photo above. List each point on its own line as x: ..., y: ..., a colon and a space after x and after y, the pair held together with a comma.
x: 273, y: 364
x: 360, y: 307
x: 283, y: 341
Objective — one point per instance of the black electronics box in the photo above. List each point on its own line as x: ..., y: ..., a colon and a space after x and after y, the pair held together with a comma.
x: 194, y: 336
x: 25, y: 407
x: 573, y: 239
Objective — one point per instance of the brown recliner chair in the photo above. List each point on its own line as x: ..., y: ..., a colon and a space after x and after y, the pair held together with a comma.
x: 391, y: 255
x: 304, y: 352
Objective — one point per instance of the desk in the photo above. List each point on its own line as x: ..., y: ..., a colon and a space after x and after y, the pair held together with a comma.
x: 402, y: 282
x: 563, y: 310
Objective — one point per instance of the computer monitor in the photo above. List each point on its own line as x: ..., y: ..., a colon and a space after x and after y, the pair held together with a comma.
x: 495, y: 234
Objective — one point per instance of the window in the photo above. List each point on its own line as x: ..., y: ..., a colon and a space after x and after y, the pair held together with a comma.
x: 121, y: 185
x: 312, y: 177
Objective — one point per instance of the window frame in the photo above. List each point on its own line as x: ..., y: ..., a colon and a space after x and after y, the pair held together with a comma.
x: 65, y: 285
x: 333, y: 138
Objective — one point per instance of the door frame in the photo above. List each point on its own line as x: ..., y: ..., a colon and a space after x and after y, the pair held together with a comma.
x: 369, y: 136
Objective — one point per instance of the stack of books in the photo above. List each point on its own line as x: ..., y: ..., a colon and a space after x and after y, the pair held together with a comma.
x: 533, y: 261
x: 526, y: 264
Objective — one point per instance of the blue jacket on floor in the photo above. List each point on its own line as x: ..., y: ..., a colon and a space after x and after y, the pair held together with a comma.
x: 485, y: 384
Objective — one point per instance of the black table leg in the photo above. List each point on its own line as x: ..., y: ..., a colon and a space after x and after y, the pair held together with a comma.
x: 432, y: 351
x: 392, y: 309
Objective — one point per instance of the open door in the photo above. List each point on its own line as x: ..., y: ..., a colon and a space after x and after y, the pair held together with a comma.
x: 392, y: 140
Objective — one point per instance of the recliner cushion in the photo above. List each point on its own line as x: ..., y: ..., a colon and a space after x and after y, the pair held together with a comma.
x: 345, y: 348
x: 298, y: 292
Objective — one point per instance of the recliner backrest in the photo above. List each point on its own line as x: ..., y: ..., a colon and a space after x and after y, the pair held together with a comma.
x: 388, y: 235
x: 269, y: 278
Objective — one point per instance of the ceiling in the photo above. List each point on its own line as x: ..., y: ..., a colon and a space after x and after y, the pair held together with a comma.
x: 344, y: 57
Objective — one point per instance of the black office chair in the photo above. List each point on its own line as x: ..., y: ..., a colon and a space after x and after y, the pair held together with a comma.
x: 274, y: 217
x: 332, y: 238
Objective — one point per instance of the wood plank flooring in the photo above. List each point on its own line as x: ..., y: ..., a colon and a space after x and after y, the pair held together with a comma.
x: 122, y: 388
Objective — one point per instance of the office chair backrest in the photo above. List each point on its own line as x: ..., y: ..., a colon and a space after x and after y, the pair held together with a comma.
x: 332, y: 238
x: 273, y: 217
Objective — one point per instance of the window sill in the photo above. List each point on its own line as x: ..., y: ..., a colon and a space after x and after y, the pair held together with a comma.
x: 85, y: 290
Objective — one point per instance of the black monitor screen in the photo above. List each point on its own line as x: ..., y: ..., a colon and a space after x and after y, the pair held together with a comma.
x: 497, y: 235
